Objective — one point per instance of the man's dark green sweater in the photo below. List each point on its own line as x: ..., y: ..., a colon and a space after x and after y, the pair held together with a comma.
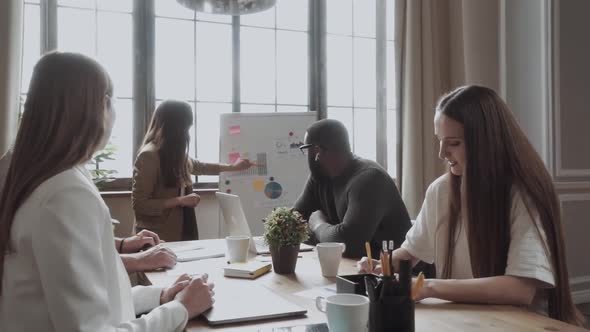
x: 361, y: 205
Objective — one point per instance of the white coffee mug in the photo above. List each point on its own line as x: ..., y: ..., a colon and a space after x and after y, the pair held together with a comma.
x: 237, y: 248
x: 330, y: 254
x: 345, y: 312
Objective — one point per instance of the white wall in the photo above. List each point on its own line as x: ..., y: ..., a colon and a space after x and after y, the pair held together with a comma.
x: 524, y: 84
x: 546, y: 82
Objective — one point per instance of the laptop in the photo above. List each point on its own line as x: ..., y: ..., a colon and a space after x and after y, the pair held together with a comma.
x: 235, y: 219
x: 244, y: 304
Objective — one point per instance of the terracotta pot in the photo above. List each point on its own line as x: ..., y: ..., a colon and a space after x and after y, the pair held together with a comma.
x: 284, y: 259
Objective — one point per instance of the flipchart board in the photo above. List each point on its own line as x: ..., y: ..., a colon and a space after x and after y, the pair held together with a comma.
x: 272, y: 141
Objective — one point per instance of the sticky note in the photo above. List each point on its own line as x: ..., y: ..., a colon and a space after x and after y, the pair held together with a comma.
x: 233, y: 157
x: 235, y: 130
x: 258, y: 185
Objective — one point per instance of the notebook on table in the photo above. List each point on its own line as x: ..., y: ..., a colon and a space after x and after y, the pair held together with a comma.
x: 249, y: 270
x: 251, y: 303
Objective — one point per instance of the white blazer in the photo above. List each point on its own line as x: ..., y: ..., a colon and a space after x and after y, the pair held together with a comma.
x: 64, y: 273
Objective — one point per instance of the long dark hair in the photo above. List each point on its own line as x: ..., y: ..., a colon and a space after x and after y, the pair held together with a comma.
x: 169, y: 132
x: 499, y: 160
x: 63, y: 124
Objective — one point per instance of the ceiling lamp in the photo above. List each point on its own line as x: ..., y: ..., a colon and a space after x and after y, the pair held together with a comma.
x: 228, y: 7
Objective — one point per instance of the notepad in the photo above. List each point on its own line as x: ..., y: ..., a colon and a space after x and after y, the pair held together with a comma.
x: 202, y: 253
x: 249, y: 270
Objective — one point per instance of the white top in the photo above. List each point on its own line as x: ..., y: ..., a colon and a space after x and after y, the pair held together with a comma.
x: 426, y: 240
x: 64, y: 273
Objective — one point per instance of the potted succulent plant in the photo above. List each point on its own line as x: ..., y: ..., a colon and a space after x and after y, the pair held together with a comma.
x: 284, y: 230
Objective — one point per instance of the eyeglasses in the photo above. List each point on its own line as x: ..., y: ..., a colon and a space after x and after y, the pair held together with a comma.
x: 306, y: 147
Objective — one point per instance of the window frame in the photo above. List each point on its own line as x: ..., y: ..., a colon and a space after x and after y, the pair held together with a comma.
x: 143, y: 61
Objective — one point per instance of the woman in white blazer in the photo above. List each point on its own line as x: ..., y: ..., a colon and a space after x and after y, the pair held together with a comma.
x: 59, y: 268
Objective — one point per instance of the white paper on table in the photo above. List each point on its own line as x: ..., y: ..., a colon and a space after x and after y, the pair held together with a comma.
x: 183, y: 247
x: 192, y: 268
x: 312, y: 293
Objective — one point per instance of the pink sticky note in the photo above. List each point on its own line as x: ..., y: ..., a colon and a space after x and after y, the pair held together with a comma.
x: 234, y: 130
x: 233, y: 157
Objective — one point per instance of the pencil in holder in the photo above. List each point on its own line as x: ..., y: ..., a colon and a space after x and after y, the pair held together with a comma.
x: 392, y: 313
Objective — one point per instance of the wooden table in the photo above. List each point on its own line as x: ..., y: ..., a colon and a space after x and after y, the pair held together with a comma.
x: 431, y: 314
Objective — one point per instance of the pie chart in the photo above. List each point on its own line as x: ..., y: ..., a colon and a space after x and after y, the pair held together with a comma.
x: 273, y: 190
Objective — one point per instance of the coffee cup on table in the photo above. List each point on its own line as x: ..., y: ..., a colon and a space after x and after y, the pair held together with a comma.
x: 345, y: 312
x: 237, y: 248
x: 330, y: 254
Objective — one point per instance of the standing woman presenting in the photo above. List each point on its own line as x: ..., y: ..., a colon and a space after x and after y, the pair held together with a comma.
x: 163, y: 198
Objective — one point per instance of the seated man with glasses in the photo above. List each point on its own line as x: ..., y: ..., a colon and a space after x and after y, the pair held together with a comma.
x: 348, y: 199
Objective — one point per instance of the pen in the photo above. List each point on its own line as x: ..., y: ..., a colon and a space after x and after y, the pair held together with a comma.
x: 416, y: 289
x: 369, y: 256
x: 391, y: 267
x: 385, y: 260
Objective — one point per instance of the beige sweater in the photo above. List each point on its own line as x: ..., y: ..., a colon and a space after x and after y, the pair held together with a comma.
x: 150, y: 194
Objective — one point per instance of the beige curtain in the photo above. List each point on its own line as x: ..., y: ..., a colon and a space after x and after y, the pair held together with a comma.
x: 442, y: 44
x: 11, y: 14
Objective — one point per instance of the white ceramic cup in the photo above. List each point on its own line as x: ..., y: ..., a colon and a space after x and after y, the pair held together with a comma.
x: 345, y: 312
x: 237, y: 248
x: 330, y: 254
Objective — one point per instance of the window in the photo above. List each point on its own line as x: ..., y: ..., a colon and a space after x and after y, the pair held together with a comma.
x: 194, y: 55
x: 219, y: 64
x: 351, y: 46
x: 101, y: 29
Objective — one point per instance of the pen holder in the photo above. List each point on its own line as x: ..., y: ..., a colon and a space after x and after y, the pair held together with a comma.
x: 392, y: 313
x: 352, y: 284
x: 391, y: 307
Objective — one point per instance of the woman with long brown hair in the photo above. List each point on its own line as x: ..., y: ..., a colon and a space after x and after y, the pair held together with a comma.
x: 163, y: 198
x: 58, y: 265
x: 492, y: 224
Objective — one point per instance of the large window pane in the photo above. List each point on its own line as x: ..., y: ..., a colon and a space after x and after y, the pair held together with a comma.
x: 292, y: 109
x: 214, y: 18
x: 292, y: 67
x: 121, y: 138
x: 339, y: 68
x: 365, y: 138
x: 76, y: 30
x: 214, y: 62
x: 31, y: 44
x: 292, y: 14
x: 339, y: 17
x: 257, y: 65
x: 390, y: 19
x: 364, y: 18
x: 116, y: 5
x: 343, y: 115
x: 365, y: 80
x: 257, y: 108
x: 171, y: 8
x: 114, y: 50
x: 175, y: 59
x: 264, y: 19
x: 76, y: 3
x: 208, y: 120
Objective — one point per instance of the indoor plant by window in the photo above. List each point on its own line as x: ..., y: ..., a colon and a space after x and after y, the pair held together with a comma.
x: 102, y: 176
x: 284, y: 230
